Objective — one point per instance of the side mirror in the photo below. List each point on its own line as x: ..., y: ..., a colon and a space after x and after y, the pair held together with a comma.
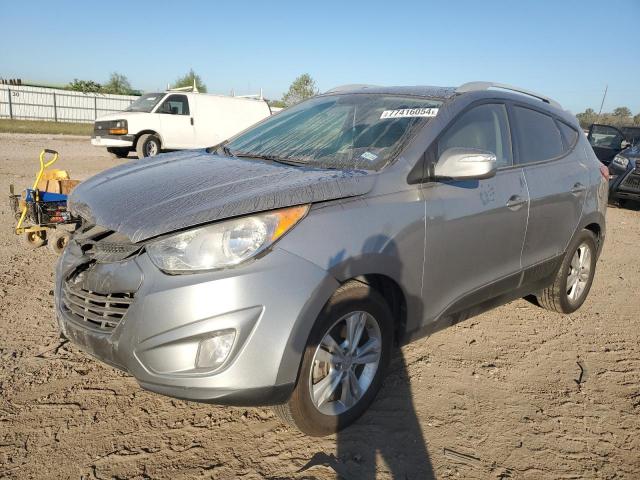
x: 624, y: 144
x: 465, y: 164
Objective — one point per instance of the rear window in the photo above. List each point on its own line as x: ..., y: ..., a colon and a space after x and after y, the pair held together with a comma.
x: 538, y: 136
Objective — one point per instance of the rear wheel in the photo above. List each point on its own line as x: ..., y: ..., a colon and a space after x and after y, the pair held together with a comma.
x: 344, y: 362
x: 118, y: 152
x: 574, y: 278
x: 58, y: 241
x: 148, y: 145
x: 34, y: 239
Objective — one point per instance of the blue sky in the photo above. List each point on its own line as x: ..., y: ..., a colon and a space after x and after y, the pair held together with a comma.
x: 567, y: 49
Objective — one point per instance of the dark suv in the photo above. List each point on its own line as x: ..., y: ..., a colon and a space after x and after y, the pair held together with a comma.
x: 608, y: 141
x: 619, y: 149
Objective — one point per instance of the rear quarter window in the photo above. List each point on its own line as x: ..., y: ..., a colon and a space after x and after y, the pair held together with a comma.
x: 570, y: 135
x: 538, y: 136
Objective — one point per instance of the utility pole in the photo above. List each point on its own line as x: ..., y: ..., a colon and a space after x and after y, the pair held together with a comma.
x: 606, y: 87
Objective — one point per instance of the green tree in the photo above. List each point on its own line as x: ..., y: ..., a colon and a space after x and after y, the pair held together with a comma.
x: 587, y: 117
x: 188, y: 79
x: 276, y: 103
x: 85, y: 86
x: 118, y: 84
x: 622, y: 112
x: 302, y: 88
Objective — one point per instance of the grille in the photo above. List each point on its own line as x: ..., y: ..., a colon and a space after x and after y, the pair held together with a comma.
x: 100, y: 310
x: 631, y: 182
x: 101, y: 128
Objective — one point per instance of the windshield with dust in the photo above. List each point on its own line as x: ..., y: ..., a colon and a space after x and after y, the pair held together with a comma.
x: 145, y: 103
x: 341, y: 131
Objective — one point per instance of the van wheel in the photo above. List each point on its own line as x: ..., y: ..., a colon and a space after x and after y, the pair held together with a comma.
x: 58, y: 241
x: 118, y: 152
x: 148, y: 145
x: 344, y: 362
x: 574, y: 278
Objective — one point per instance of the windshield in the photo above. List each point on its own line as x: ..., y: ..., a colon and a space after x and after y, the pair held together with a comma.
x: 145, y: 103
x: 342, y: 131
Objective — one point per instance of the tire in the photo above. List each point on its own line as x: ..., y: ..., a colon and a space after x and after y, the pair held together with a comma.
x: 354, y: 303
x: 58, y: 241
x: 148, y: 145
x: 563, y: 296
x: 33, y: 239
x: 118, y: 152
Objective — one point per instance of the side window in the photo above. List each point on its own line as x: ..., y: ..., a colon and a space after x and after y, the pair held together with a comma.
x: 175, y: 105
x: 484, y: 127
x: 538, y: 136
x: 631, y: 134
x: 569, y: 134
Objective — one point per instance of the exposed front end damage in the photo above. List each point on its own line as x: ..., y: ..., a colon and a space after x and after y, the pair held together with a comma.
x: 113, y: 303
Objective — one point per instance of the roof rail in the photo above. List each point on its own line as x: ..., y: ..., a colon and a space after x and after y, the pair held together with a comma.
x: 476, y: 86
x: 351, y: 86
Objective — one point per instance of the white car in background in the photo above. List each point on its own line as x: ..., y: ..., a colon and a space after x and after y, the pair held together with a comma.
x: 176, y: 120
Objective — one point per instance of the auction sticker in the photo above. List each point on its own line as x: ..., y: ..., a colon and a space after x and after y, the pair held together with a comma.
x: 409, y: 113
x: 369, y: 156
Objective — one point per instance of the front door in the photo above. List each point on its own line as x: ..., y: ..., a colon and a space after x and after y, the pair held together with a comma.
x: 475, y: 229
x: 606, y: 142
x: 176, y: 122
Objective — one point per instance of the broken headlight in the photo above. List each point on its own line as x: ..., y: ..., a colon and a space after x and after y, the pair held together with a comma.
x: 225, y: 243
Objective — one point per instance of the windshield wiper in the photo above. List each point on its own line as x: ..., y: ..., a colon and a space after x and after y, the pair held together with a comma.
x: 221, y: 146
x: 273, y: 158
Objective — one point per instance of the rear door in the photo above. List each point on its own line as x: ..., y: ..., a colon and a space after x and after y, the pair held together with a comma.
x: 556, y: 180
x: 475, y: 228
x: 606, y: 141
x: 176, y: 122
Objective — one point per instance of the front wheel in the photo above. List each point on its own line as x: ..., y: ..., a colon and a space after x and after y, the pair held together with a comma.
x: 574, y: 278
x: 148, y: 145
x: 344, y: 362
x: 58, y: 241
x: 34, y: 239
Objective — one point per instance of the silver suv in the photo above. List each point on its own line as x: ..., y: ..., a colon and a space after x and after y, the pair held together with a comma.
x: 280, y: 267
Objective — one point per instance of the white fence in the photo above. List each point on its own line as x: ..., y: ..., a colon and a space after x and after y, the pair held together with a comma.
x: 38, y: 103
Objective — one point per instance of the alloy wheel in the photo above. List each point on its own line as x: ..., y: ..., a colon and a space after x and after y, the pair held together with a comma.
x: 579, y: 272
x: 152, y: 148
x: 345, y: 363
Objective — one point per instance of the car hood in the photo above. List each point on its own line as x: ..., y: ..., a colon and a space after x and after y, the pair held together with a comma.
x: 119, y: 116
x: 150, y: 197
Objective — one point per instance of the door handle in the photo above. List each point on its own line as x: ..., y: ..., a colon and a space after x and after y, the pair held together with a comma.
x: 191, y: 120
x: 515, y: 202
x: 578, y: 188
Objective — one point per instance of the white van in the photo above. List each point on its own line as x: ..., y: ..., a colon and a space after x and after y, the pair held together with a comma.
x: 176, y: 120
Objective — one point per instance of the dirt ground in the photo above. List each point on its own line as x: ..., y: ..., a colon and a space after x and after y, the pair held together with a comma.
x: 514, y: 393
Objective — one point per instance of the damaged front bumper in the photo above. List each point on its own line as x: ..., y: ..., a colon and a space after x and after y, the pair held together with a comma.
x: 156, y: 322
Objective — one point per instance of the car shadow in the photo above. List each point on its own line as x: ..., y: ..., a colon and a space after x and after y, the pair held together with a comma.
x: 388, y: 438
